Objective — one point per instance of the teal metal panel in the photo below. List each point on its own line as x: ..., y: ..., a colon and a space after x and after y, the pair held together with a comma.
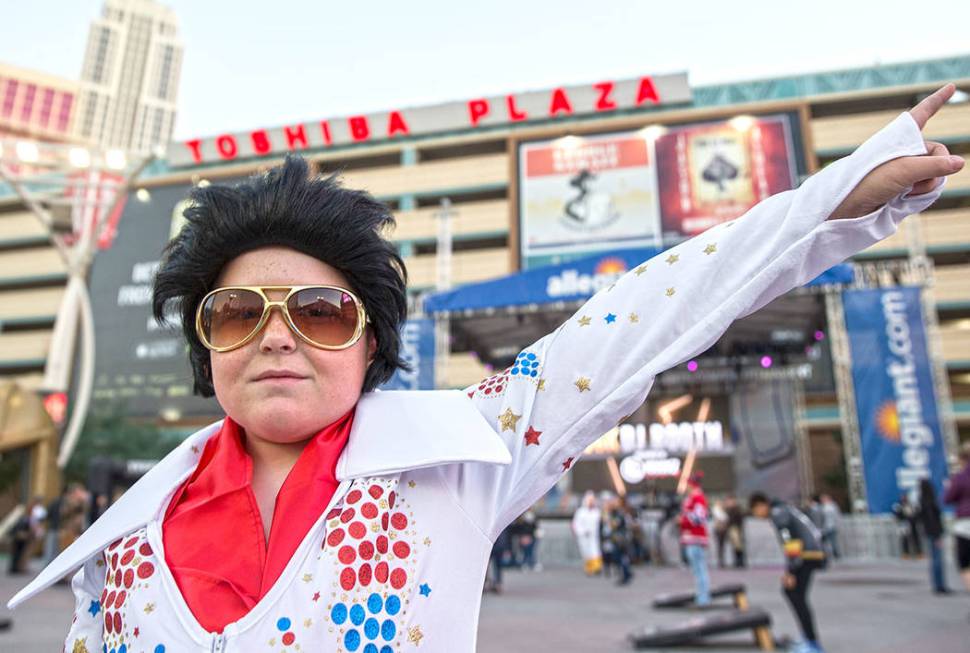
x: 409, y: 156
x: 838, y: 81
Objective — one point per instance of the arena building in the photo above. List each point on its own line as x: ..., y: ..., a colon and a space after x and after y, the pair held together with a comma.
x: 561, y: 190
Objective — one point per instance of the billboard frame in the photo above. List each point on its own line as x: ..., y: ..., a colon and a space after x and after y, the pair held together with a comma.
x: 798, y: 116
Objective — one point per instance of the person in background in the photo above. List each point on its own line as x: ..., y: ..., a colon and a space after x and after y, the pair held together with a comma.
x: 51, y: 548
x: 804, y: 555
x: 958, y: 495
x: 639, y: 551
x: 620, y: 535
x: 38, y: 526
x: 74, y: 511
x: 932, y: 520
x: 607, y: 543
x: 735, y: 531
x: 528, y: 539
x: 501, y: 551
x: 719, y: 518
x: 99, y: 504
x: 813, y: 509
x: 26, y: 533
x: 694, y: 538
x: 586, y: 530
x: 907, y: 514
x: 831, y: 517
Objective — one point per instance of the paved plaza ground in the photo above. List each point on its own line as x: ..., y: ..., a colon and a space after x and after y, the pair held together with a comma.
x: 861, y: 608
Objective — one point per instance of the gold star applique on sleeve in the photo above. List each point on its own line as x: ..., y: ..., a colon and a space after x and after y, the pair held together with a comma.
x: 508, y: 420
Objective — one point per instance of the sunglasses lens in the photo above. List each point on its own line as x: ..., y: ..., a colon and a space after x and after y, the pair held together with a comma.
x: 229, y: 316
x: 326, y: 316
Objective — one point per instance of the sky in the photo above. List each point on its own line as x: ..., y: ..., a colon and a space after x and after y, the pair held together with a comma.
x: 263, y: 64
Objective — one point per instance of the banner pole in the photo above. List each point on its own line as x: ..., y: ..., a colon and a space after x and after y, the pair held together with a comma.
x: 443, y: 254
x: 848, y: 417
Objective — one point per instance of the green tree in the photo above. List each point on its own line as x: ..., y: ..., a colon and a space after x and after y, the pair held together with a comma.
x: 107, y: 432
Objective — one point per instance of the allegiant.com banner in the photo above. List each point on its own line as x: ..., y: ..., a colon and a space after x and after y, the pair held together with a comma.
x: 895, y: 400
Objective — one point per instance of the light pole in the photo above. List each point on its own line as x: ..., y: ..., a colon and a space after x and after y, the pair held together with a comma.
x: 72, y: 191
x: 443, y: 253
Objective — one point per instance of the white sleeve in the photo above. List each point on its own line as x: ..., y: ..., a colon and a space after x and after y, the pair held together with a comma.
x: 88, y: 623
x: 576, y: 383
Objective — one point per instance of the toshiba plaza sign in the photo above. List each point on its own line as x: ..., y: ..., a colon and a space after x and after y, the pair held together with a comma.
x: 563, y: 102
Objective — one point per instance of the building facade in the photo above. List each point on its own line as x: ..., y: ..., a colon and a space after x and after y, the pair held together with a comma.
x: 36, y: 105
x: 473, y: 154
x: 130, y: 77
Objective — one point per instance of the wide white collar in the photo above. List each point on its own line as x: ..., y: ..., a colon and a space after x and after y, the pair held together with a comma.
x: 393, y: 432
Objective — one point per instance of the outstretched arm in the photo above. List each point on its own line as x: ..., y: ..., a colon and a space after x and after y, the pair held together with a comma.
x: 576, y: 383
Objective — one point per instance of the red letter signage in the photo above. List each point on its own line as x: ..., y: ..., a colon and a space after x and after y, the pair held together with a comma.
x: 477, y: 109
x: 359, y: 129
x: 226, y: 145
x: 647, y: 92
x: 396, y: 124
x: 514, y: 114
x: 325, y: 132
x: 196, y: 148
x: 295, y: 137
x: 261, y: 144
x: 604, y: 102
x: 560, y: 103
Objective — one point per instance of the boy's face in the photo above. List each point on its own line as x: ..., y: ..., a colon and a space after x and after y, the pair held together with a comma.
x: 323, y: 384
x: 760, y: 510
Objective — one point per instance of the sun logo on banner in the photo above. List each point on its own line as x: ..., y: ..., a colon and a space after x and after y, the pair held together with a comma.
x: 887, y: 421
x: 611, y: 265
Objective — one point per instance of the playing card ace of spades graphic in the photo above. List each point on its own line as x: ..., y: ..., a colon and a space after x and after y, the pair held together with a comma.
x: 720, y: 166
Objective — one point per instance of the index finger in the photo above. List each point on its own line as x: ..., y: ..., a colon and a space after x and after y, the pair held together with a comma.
x: 925, y: 110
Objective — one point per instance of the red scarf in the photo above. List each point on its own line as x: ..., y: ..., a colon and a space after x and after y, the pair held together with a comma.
x: 213, y: 533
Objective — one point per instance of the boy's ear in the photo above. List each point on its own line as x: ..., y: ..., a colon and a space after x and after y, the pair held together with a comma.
x: 371, y: 346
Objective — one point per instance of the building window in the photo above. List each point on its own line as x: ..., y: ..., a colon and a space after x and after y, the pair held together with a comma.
x: 165, y: 75
x: 9, y: 97
x: 64, y: 115
x: 46, y: 104
x: 27, y: 108
x: 157, y: 127
x: 101, y: 55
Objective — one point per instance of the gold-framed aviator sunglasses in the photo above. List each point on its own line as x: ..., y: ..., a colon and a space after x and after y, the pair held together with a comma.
x: 328, y: 317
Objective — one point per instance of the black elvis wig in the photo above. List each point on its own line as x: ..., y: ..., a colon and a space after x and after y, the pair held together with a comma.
x: 286, y: 207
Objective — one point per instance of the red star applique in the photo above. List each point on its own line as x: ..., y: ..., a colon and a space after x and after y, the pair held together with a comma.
x: 566, y: 464
x: 532, y: 436
x: 316, y: 597
x: 471, y: 395
x: 136, y: 631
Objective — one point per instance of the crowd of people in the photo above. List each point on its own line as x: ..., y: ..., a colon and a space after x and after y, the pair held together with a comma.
x: 44, y: 529
x: 609, y: 533
x: 516, y: 547
x: 921, y: 526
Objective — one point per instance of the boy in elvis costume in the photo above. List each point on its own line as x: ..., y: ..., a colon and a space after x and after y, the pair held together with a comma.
x: 324, y: 515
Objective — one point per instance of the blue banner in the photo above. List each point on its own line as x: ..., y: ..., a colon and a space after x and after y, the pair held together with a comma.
x: 895, y: 399
x: 576, y: 280
x: 417, y: 341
